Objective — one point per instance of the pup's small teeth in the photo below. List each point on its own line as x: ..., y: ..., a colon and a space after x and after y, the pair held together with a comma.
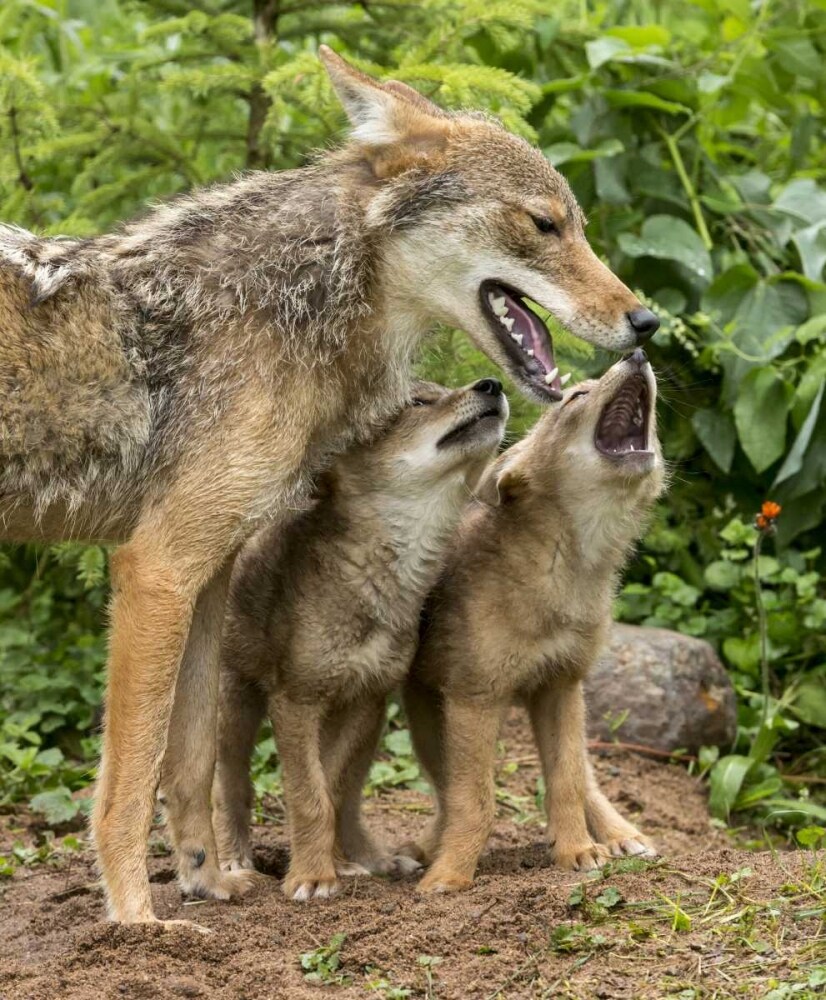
x: 529, y: 353
x: 551, y: 375
x: 498, y: 305
x: 518, y: 337
x: 507, y: 321
x: 566, y: 378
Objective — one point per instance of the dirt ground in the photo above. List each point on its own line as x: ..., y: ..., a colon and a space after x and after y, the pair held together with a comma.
x: 708, y: 920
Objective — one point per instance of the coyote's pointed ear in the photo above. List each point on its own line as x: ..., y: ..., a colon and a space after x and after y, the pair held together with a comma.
x: 386, y: 117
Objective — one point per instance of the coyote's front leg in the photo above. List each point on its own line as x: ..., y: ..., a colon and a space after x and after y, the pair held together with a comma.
x: 557, y: 713
x: 609, y: 827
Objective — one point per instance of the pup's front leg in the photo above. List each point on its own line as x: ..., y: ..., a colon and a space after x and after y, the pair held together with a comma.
x: 310, y: 810
x: 557, y: 713
x: 189, y: 764
x: 467, y: 795
x: 609, y: 827
x: 351, y: 736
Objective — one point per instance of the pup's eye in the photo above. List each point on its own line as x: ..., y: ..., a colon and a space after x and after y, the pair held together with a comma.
x: 545, y: 224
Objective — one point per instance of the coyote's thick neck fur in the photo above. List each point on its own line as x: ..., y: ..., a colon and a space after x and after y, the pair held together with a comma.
x: 284, y: 301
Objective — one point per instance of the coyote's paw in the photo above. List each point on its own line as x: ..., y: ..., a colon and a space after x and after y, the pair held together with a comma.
x: 443, y: 880
x: 212, y: 883
x: 302, y: 888
x: 631, y: 845
x: 580, y: 857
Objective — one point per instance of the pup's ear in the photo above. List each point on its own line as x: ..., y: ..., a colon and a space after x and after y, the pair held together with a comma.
x: 398, y: 126
x: 503, y: 482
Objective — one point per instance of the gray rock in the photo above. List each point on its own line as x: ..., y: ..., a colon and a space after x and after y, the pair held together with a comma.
x: 674, y: 687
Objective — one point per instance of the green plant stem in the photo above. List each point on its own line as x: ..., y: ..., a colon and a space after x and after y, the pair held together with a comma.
x: 689, y: 188
x: 761, y: 622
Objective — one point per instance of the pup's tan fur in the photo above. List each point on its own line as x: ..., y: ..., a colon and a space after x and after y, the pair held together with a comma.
x: 170, y: 385
x: 521, y: 612
x: 322, y: 623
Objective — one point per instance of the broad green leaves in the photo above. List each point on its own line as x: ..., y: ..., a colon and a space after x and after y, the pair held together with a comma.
x: 760, y: 416
x: 670, y: 238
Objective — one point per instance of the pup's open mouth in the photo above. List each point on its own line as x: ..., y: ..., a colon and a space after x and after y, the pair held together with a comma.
x: 493, y: 414
x: 624, y: 422
x: 524, y: 337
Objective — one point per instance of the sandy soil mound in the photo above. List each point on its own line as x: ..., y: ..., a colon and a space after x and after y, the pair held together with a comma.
x: 706, y: 921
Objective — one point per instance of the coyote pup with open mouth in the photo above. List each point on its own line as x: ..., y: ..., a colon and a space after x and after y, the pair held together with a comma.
x: 323, y: 621
x: 522, y: 611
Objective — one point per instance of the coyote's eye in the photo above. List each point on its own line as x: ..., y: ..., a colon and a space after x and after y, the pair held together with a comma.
x: 575, y: 395
x: 545, y: 224
x: 419, y: 401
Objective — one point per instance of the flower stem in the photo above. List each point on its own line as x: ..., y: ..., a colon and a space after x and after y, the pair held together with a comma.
x: 761, y: 621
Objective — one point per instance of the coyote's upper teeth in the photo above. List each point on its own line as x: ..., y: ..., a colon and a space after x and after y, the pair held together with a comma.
x: 566, y: 378
x: 507, y: 321
x: 498, y: 305
x: 551, y: 375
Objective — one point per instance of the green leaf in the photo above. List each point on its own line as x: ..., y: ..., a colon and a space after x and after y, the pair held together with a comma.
x: 760, y: 414
x: 716, y: 432
x: 643, y: 99
x: 726, y: 779
x: 57, y: 806
x: 669, y: 238
x: 609, y: 897
x: 603, y: 50
x: 809, y: 703
x: 743, y: 652
x: 794, y: 460
x: 722, y: 574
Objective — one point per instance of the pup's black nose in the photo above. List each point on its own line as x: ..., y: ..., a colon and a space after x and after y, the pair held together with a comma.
x: 638, y: 357
x: 644, y: 322
x: 489, y: 386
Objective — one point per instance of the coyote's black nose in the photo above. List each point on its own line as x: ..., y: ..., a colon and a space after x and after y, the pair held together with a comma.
x: 644, y: 322
x: 489, y: 386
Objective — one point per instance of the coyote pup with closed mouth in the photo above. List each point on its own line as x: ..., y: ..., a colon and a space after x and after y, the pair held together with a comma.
x: 521, y: 612
x: 323, y: 621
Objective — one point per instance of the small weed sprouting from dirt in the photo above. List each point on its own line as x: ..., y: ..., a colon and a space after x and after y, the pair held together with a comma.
x: 323, y: 964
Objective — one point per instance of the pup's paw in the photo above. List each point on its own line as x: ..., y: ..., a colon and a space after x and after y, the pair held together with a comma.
x: 580, y: 857
x: 352, y: 869
x: 212, y: 883
x: 302, y: 888
x: 633, y: 844
x: 404, y: 865
x: 443, y: 881
x: 414, y: 851
x: 237, y: 864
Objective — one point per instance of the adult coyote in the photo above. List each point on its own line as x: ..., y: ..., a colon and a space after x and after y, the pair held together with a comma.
x: 170, y: 385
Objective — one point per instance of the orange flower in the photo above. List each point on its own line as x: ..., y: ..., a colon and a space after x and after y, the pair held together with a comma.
x: 770, y: 510
x: 762, y: 523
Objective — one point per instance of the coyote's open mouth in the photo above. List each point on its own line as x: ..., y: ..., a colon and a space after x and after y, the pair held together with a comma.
x: 624, y: 422
x: 524, y: 336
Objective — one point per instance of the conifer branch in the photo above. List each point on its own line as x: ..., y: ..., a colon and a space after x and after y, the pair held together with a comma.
x: 265, y: 24
x: 22, y: 174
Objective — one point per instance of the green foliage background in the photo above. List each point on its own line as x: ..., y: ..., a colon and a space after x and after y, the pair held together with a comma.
x: 693, y: 134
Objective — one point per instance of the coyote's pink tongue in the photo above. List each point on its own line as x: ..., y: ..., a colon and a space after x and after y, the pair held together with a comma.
x: 534, y: 334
